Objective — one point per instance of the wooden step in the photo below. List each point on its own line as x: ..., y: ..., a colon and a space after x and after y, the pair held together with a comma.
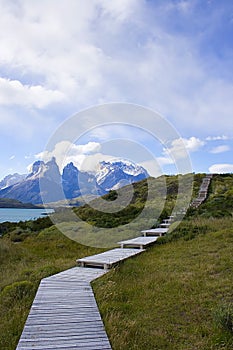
x: 155, y: 232
x: 138, y: 242
x: 108, y: 259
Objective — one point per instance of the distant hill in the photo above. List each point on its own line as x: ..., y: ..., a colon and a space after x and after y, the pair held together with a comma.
x: 13, y: 203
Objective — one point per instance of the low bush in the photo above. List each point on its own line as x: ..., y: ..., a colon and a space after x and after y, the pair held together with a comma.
x: 16, y: 292
x: 223, y: 316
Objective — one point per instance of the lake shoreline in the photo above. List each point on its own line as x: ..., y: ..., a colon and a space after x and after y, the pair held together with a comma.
x: 23, y: 214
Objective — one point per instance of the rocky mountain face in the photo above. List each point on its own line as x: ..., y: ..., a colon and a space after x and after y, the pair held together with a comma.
x: 46, y: 184
x: 75, y: 182
x: 44, y: 177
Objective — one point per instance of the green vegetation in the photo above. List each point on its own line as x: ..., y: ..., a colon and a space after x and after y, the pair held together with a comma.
x: 168, y: 297
x: 176, y: 296
x: 158, y: 194
x: 220, y: 200
x: 224, y: 316
x: 24, y: 228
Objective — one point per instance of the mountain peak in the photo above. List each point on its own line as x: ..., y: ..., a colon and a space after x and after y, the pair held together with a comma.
x: 36, y: 169
x: 112, y: 174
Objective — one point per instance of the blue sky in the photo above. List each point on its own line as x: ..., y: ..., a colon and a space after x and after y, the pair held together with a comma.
x: 59, y: 57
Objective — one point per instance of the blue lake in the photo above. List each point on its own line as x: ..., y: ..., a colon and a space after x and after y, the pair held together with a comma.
x: 16, y: 215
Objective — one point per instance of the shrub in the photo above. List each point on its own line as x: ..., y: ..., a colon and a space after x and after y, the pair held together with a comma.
x: 162, y: 240
x: 17, y: 291
x: 223, y: 316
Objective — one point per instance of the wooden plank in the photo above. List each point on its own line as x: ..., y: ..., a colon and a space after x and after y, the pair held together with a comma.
x: 64, y: 314
x: 108, y: 259
x: 87, y: 274
x: 155, y: 232
x: 166, y: 225
x: 140, y: 242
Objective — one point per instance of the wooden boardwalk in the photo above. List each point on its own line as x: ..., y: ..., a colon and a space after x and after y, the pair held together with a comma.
x: 138, y: 242
x: 64, y: 314
x: 108, y: 259
x: 203, y: 191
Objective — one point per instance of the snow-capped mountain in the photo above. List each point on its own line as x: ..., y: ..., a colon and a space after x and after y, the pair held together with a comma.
x: 45, y: 176
x: 48, y: 170
x: 45, y: 181
x: 11, y: 179
x: 115, y: 174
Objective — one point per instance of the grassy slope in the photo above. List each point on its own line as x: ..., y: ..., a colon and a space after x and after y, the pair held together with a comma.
x: 160, y: 300
x: 22, y: 266
x: 164, y: 299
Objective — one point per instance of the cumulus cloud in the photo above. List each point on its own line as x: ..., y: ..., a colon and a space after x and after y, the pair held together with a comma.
x: 13, y: 92
x: 180, y: 146
x: 101, y: 45
x: 221, y: 168
x: 220, y: 149
x: 66, y: 152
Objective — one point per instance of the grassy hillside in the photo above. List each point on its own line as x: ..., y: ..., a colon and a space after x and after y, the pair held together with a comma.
x: 167, y: 298
x: 23, y: 263
x: 220, y: 200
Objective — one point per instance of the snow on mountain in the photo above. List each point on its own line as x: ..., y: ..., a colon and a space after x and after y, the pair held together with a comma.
x: 11, y: 179
x: 115, y: 174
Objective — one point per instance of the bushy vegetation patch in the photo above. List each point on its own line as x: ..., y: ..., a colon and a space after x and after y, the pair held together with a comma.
x: 223, y: 315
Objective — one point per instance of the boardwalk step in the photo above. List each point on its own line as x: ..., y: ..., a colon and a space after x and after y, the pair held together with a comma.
x: 138, y: 242
x: 108, y: 259
x: 155, y: 232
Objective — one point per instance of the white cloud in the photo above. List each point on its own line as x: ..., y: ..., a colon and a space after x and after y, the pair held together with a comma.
x: 180, y: 146
x: 85, y: 52
x: 220, y: 149
x: 66, y: 152
x: 120, y: 9
x: 164, y: 161
x: 12, y: 157
x: 221, y: 168
x: 13, y: 92
x: 155, y: 166
x: 217, y: 138
x: 193, y: 144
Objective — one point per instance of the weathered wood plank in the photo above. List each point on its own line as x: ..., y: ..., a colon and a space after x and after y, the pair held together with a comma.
x: 108, y: 259
x: 140, y: 242
x: 155, y: 232
x: 64, y: 315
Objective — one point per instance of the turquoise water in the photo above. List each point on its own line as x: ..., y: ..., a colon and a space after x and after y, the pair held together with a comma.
x: 16, y: 215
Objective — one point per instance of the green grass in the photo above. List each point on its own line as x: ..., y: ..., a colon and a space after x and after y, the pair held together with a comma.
x: 176, y: 296
x: 22, y: 266
x: 166, y: 298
